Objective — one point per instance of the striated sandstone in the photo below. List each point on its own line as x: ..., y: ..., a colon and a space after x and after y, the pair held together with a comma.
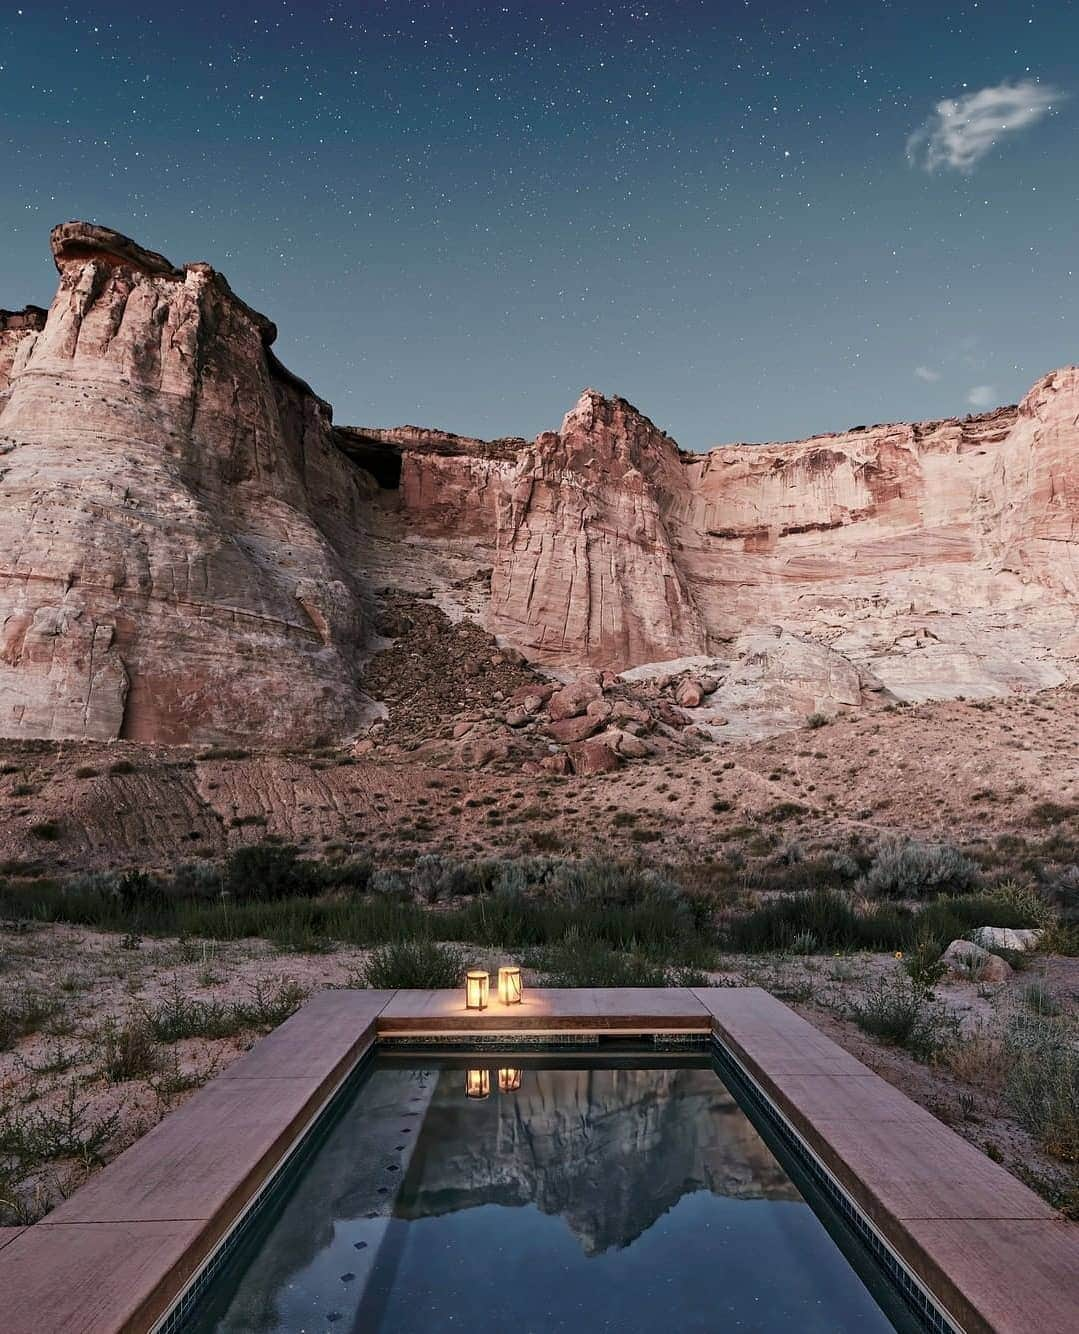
x: 191, y: 549
x: 177, y: 524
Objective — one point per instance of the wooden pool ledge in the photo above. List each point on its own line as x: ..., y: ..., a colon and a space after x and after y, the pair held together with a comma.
x: 114, y: 1257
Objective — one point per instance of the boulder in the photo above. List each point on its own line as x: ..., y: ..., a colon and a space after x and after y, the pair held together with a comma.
x: 572, y: 700
x: 1006, y: 938
x: 667, y: 713
x: 594, y: 757
x: 518, y: 717
x: 689, y: 693
x: 573, y: 729
x: 556, y: 764
x: 532, y: 697
x: 970, y: 961
x: 626, y: 744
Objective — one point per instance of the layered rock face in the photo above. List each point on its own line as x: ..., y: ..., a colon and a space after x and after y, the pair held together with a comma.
x: 187, y: 542
x: 176, y: 522
x: 926, y: 560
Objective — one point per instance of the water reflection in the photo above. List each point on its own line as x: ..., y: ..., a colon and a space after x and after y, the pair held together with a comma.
x: 644, y: 1193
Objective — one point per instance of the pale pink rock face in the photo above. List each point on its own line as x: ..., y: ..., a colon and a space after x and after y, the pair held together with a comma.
x: 172, y: 517
x: 190, y: 549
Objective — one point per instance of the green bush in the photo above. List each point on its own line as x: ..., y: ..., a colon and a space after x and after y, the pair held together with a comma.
x: 825, y: 915
x: 128, y: 1051
x: 1042, y: 1081
x: 905, y: 869
x: 413, y: 963
x: 268, y: 871
x: 897, y: 1011
x: 576, y: 961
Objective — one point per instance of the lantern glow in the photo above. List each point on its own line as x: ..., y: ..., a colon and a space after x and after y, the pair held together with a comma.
x: 476, y: 987
x: 509, y: 1081
x: 477, y: 1083
x: 509, y: 986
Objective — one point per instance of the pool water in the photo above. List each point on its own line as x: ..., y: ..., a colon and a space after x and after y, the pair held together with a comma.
x: 569, y: 1194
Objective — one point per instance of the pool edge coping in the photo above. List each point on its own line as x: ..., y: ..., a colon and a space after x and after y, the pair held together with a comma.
x: 759, y: 1032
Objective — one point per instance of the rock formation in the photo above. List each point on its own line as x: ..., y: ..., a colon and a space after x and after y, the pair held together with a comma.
x: 192, y: 551
x: 178, y: 525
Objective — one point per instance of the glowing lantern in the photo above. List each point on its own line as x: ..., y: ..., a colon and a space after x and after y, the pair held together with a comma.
x: 476, y: 986
x: 478, y: 1083
x: 509, y: 986
x: 509, y: 1081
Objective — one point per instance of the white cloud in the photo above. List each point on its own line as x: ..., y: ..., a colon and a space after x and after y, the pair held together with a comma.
x: 983, y: 396
x: 927, y: 374
x: 962, y: 130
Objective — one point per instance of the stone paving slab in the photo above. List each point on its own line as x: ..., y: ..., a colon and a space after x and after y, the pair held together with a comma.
x: 1003, y: 1276
x: 8, y: 1235
x: 113, y: 1256
x: 95, y: 1278
x: 571, y: 1009
x: 996, y: 1254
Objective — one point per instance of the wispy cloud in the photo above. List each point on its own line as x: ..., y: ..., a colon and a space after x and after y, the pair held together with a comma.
x: 962, y: 130
x: 983, y: 396
x: 927, y: 374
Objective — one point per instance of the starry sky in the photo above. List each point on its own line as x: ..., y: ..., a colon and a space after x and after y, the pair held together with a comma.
x: 754, y: 220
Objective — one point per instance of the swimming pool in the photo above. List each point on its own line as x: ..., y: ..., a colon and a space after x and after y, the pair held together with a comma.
x: 546, y: 1192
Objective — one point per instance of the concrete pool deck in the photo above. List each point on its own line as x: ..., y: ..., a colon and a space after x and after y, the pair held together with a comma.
x: 117, y: 1254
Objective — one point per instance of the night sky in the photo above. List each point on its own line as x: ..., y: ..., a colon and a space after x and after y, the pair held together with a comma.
x: 754, y: 220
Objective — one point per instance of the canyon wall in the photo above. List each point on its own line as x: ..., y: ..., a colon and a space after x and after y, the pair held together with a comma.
x: 176, y: 522
x: 191, y: 551
x: 927, y: 559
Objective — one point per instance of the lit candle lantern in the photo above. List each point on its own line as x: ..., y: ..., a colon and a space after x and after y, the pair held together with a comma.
x: 509, y: 986
x: 509, y: 1081
x: 477, y: 1083
x: 476, y: 986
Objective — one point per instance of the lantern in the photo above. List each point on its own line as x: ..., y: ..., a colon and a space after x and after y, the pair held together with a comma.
x: 477, y: 1083
x: 509, y: 1081
x: 476, y: 986
x: 509, y: 986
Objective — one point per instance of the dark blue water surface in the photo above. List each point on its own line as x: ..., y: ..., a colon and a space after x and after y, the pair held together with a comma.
x: 626, y: 1197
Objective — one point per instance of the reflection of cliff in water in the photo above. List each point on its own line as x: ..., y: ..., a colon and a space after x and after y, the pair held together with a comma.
x: 609, y: 1151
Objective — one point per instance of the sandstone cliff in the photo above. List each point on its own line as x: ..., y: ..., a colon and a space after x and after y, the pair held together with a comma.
x: 190, y: 550
x: 929, y: 560
x: 176, y: 523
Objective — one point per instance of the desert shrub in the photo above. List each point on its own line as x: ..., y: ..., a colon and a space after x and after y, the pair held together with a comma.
x: 389, y: 884
x: 898, y: 1012
x: 1039, y: 999
x: 905, y: 869
x: 128, y: 1051
x: 1052, y: 812
x: 179, y: 1016
x: 786, y: 810
x: 413, y: 963
x: 49, y: 830
x: 268, y: 871
x: 576, y: 961
x: 816, y: 720
x: 827, y: 916
x: 1028, y: 906
x: 949, y: 918
x: 1062, y: 894
x: 1042, y: 1080
x: 922, y: 962
x: 23, y: 1014
x: 121, y: 767
x: 269, y: 1004
x: 85, y: 771
x: 67, y: 1130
